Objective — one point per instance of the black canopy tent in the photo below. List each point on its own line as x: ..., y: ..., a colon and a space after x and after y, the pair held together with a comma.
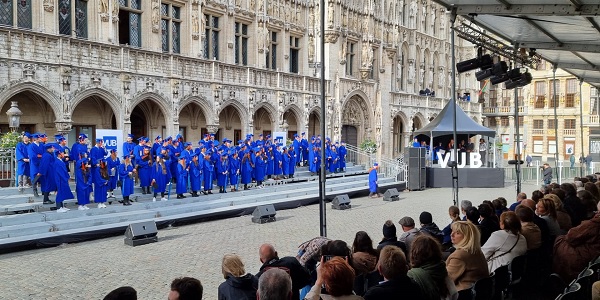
x: 443, y: 124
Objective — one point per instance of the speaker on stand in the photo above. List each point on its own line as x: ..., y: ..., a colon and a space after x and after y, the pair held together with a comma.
x: 417, y: 172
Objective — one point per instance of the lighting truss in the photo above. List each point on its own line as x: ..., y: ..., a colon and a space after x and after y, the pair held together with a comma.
x: 497, y: 47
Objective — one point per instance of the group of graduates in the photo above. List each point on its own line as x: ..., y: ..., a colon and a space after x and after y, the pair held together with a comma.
x: 157, y: 165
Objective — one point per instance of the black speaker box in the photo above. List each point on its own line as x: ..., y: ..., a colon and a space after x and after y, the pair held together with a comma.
x: 391, y: 195
x: 264, y: 214
x: 141, y: 233
x: 341, y: 202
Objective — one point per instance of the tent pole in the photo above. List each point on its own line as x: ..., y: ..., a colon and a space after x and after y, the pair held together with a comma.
x: 455, y: 152
x: 517, y: 136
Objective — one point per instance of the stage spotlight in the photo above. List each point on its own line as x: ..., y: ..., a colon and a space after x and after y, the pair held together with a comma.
x: 496, y: 70
x: 483, y: 62
x: 524, y: 80
x: 513, y: 74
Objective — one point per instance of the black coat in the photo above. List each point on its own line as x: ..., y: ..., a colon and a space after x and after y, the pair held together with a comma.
x: 392, y: 242
x: 401, y: 288
x: 298, y: 273
x: 575, y: 209
x: 487, y: 226
x: 239, y: 288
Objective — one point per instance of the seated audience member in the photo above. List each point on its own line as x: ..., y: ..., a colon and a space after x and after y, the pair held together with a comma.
x: 593, y: 189
x: 573, y: 251
x: 185, y: 288
x: 389, y: 237
x: 454, y: 216
x: 520, y: 197
x: 338, y: 277
x: 466, y: 264
x: 298, y: 273
x: 588, y: 201
x: 429, y: 270
x: 409, y: 232
x: 487, y: 223
x: 238, y: 284
x: 499, y: 206
x: 274, y: 284
x: 505, y: 244
x: 596, y: 290
x: 572, y: 204
x: 464, y: 206
x: 309, y: 252
x: 473, y: 216
x: 364, y: 262
x: 393, y: 267
x: 536, y: 196
x: 427, y: 226
x: 122, y: 293
x: 562, y: 217
x: 531, y: 232
x: 546, y: 210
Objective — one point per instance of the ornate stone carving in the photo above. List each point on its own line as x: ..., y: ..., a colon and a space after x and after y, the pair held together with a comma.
x: 330, y: 14
x: 411, y: 71
x: 217, y: 99
x: 29, y: 71
x: 49, y: 5
x: 212, y: 128
x: 66, y: 78
x: 155, y: 16
x: 175, y: 88
x: 95, y: 79
x: 63, y: 127
x: 115, y: 11
x: 331, y: 36
x: 195, y: 22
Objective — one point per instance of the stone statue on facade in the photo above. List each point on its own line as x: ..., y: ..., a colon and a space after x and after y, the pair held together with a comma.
x: 413, y: 14
x: 432, y: 17
x: 311, y: 49
x: 155, y: 16
x: 195, y: 23
x: 330, y: 14
x: 103, y: 6
x: 411, y: 72
x: 399, y: 69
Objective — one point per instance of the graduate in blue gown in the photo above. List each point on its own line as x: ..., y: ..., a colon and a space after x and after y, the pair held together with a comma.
x: 293, y: 162
x: 195, y: 174
x: 234, y: 170
x: 246, y: 169
x: 259, y: 166
x: 100, y: 177
x: 223, y: 172
x: 315, y: 159
x: 278, y: 162
x: 161, y: 175
x: 83, y: 182
x: 334, y: 163
x: 113, y: 163
x: 126, y: 173
x: 207, y: 173
x: 305, y: 150
x: 342, y: 155
x: 143, y: 165
x: 373, y: 193
x: 35, y: 150
x: 79, y: 147
x: 269, y: 153
x: 61, y: 178
x: 97, y: 153
x: 129, y: 147
x: 297, y: 144
x: 46, y: 172
x: 285, y: 164
x: 182, y: 175
x: 23, y: 162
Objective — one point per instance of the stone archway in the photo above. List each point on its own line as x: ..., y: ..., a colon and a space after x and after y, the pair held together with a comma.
x: 313, y: 124
x: 398, y: 129
x: 291, y: 123
x: 148, y: 119
x: 38, y: 113
x: 230, y: 124
x: 193, y: 122
x: 91, y: 113
x: 263, y: 122
x: 356, y: 120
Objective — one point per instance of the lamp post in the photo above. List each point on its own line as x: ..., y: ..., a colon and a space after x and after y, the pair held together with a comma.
x: 14, y: 116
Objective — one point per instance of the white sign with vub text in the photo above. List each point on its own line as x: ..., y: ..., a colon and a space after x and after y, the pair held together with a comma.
x: 474, y: 158
x: 113, y: 139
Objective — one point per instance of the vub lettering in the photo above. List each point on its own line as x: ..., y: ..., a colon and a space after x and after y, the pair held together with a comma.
x: 474, y: 158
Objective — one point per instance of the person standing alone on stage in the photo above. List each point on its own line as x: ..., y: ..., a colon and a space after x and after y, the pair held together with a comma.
x: 373, y: 193
x: 483, y: 151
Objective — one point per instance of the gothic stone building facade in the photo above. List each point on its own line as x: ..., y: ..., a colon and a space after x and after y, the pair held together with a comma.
x: 229, y: 67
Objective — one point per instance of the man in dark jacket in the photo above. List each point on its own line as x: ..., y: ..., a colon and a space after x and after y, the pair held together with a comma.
x: 298, y: 273
x: 393, y: 267
x: 429, y: 227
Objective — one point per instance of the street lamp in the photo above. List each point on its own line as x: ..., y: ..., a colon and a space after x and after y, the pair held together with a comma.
x: 14, y: 116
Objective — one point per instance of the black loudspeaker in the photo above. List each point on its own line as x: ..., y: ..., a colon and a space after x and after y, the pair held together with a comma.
x: 264, y: 214
x: 341, y: 202
x: 391, y: 195
x: 141, y: 233
x: 417, y: 172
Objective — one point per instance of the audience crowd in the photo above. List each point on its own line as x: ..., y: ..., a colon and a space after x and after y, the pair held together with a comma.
x: 557, y: 229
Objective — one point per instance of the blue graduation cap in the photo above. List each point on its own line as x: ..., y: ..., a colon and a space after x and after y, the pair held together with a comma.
x: 169, y: 138
x: 157, y: 138
x: 113, y: 150
x: 141, y: 138
x: 268, y: 136
x: 99, y: 140
x: 48, y: 146
x: 187, y: 144
x: 83, y: 136
x: 129, y: 135
x: 178, y: 136
x: 43, y: 135
x: 125, y: 156
x: 295, y: 135
x: 303, y: 133
x: 240, y: 142
x: 256, y: 149
x: 146, y: 139
x: 375, y: 164
x: 27, y: 134
x: 212, y: 134
x: 35, y: 136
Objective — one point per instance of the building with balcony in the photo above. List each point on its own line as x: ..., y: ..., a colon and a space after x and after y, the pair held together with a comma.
x: 536, y: 105
x: 229, y: 67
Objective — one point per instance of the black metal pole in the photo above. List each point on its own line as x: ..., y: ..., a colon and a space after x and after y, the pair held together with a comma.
x: 555, y: 103
x: 322, y: 213
x: 581, y: 167
x: 517, y: 136
x: 455, y: 152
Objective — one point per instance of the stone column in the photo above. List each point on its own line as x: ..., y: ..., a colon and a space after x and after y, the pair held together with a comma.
x: 63, y: 127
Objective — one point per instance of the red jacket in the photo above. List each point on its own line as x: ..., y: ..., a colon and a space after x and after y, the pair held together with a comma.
x: 573, y: 251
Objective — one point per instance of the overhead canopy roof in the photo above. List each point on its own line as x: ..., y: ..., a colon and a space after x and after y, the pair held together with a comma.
x: 443, y: 124
x: 564, y: 32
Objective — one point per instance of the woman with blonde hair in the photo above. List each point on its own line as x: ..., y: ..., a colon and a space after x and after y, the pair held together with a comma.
x: 466, y: 264
x: 238, y: 284
x: 546, y: 210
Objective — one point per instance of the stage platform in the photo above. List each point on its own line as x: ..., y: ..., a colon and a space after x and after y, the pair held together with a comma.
x: 467, y: 177
x: 26, y: 223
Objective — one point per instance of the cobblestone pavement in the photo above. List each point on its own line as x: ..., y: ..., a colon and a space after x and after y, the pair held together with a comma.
x: 90, y: 270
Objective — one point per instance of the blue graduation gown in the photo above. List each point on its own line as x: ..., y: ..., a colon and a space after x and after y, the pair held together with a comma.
x: 144, y: 173
x: 270, y: 163
x: 207, y: 174
x: 96, y: 154
x: 285, y: 165
x: 222, y: 172
x: 61, y: 178
x: 46, y: 168
x: 372, y: 180
x: 83, y: 186
x: 195, y: 174
x: 334, y: 163
x: 278, y: 163
x: 161, y: 180
x: 342, y: 155
x: 292, y: 163
x: 182, y: 175
x: 35, y: 153
x: 128, y: 149
x: 305, y: 150
x: 100, y: 186
x: 314, y: 161
x: 234, y: 171
x: 113, y: 164
x: 126, y: 181
x: 246, y: 170
x: 77, y: 150
x: 21, y: 154
x: 259, y: 168
x: 297, y: 144
x: 173, y: 162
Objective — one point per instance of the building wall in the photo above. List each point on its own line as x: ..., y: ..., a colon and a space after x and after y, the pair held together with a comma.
x: 64, y: 83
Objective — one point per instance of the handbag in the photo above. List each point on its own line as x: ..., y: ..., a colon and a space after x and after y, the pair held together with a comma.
x: 492, y: 257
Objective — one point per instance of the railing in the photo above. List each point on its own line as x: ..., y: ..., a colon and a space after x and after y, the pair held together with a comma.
x: 387, y: 167
x: 403, y: 99
x: 8, y: 167
x: 561, y: 173
x: 594, y: 119
x: 569, y: 132
x: 538, y: 132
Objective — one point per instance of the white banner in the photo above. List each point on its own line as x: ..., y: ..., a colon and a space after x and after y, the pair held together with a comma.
x: 280, y: 137
x: 113, y: 139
